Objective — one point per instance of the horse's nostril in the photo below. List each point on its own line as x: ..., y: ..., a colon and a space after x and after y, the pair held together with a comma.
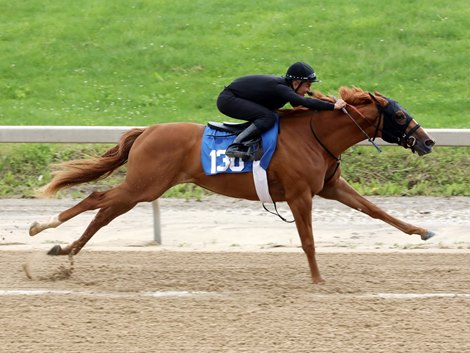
x: 430, y: 143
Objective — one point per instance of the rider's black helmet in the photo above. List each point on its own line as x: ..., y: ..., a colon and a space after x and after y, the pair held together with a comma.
x: 301, y: 71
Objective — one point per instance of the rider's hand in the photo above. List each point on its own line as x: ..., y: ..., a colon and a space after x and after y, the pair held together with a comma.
x: 340, y: 104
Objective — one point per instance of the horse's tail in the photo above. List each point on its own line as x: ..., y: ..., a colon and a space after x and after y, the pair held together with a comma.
x: 86, y: 170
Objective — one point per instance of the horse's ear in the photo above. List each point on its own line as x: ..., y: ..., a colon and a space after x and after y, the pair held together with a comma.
x: 378, y: 94
x: 373, y: 98
x: 380, y: 100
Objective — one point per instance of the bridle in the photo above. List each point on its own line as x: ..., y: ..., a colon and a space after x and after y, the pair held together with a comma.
x: 405, y: 139
x: 402, y: 136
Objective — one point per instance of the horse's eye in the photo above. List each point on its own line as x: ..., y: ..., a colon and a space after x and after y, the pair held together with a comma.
x: 400, y: 116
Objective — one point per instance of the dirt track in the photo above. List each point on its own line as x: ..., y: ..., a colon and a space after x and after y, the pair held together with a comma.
x: 232, y: 278
x: 166, y: 301
x: 220, y: 223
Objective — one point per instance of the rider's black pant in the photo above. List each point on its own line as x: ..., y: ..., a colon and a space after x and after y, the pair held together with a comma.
x: 239, y: 108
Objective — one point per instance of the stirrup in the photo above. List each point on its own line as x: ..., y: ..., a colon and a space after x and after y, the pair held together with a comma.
x: 244, y: 156
x: 239, y: 150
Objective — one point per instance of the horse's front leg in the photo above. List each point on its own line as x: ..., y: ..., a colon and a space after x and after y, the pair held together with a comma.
x: 301, y: 208
x: 341, y: 191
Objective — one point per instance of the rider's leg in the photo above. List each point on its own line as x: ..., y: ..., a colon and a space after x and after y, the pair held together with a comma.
x: 235, y: 107
x: 239, y: 147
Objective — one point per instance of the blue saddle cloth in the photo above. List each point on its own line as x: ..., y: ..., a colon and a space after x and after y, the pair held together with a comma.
x: 214, y: 144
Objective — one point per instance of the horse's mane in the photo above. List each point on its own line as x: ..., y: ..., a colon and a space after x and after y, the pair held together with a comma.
x: 357, y: 96
x: 321, y: 96
x: 353, y: 95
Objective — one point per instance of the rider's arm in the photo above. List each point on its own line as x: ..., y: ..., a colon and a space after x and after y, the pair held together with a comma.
x: 312, y: 103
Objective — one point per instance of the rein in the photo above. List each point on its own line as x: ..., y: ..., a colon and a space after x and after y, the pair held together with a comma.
x: 337, y: 159
x: 370, y: 139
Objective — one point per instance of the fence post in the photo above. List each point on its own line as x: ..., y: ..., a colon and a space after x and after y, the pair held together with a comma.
x: 157, y: 231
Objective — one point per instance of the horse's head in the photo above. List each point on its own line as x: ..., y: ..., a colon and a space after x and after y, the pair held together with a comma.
x: 394, y: 123
x: 400, y: 128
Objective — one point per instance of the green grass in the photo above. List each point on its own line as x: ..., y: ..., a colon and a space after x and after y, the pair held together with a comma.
x: 396, y: 171
x: 142, y: 62
x: 24, y: 168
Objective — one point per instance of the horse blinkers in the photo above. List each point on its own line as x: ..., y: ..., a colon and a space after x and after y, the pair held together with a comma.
x: 400, y: 128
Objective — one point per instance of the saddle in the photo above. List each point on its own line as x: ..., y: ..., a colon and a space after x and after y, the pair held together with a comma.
x: 233, y: 128
x: 255, y: 146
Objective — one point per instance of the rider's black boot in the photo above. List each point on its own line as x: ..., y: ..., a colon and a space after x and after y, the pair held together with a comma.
x: 240, y: 146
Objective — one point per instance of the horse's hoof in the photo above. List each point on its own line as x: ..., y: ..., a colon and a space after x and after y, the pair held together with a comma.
x: 428, y: 235
x: 318, y: 281
x: 33, y: 229
x: 56, y: 250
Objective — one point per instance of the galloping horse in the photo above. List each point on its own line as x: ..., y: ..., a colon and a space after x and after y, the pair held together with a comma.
x: 306, y: 163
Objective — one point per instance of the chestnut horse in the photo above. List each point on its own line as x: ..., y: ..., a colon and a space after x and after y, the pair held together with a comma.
x: 305, y: 163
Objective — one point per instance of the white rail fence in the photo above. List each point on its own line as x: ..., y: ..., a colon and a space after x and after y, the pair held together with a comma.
x: 111, y: 134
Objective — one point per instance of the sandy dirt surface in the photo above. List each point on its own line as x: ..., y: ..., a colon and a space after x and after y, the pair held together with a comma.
x: 231, y: 278
x: 175, y: 301
x: 220, y: 223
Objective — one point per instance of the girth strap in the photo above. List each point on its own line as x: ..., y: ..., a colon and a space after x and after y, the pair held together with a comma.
x: 276, y: 212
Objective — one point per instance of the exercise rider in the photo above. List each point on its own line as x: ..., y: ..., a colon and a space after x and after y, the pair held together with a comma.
x: 256, y: 98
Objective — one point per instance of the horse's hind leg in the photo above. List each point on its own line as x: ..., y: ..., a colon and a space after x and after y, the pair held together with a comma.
x: 112, y: 204
x: 103, y: 217
x: 89, y: 203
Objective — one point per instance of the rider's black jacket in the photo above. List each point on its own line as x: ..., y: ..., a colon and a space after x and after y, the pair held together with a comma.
x: 273, y: 92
